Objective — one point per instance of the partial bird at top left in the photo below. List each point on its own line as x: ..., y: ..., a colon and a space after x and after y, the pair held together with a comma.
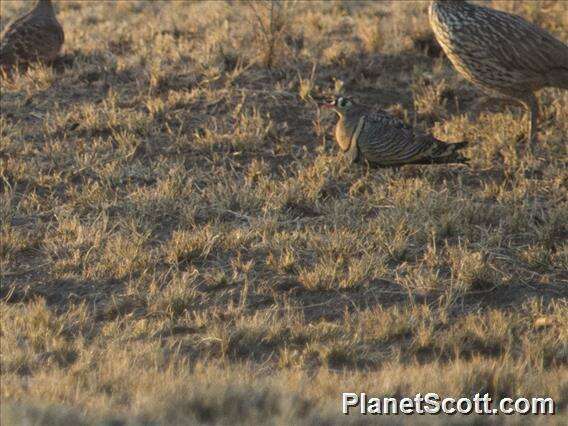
x: 36, y: 36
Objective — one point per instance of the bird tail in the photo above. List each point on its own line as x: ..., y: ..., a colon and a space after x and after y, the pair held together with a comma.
x: 446, y: 153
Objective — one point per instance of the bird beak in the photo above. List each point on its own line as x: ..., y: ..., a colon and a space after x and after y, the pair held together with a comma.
x: 328, y: 105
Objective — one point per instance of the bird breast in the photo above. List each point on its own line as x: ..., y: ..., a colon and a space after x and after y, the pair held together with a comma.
x: 343, y: 133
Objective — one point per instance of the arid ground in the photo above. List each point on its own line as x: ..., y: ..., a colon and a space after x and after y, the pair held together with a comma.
x: 182, y: 242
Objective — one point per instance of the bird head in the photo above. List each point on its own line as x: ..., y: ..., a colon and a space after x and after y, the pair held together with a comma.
x: 44, y: 5
x: 341, y: 105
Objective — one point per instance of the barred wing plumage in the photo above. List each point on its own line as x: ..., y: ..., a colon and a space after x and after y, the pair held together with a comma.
x: 386, y: 140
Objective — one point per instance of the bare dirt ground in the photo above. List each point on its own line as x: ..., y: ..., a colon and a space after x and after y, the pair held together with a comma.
x: 183, y: 243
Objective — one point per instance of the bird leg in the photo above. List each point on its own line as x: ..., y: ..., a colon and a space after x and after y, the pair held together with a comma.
x: 353, y: 153
x: 532, y: 105
x: 529, y: 102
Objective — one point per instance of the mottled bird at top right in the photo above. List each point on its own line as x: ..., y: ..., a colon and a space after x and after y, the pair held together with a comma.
x: 503, y: 54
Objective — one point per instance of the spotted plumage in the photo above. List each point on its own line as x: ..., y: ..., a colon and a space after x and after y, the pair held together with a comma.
x: 36, y: 36
x: 501, y: 53
x: 383, y: 140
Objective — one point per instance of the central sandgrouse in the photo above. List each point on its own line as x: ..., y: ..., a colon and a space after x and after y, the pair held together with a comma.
x: 35, y: 36
x: 383, y: 140
x: 501, y: 53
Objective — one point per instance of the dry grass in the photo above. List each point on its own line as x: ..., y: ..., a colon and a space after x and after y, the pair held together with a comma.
x: 182, y: 243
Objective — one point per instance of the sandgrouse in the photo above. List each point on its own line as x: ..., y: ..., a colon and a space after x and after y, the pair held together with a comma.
x: 383, y: 140
x: 501, y: 53
x: 36, y: 36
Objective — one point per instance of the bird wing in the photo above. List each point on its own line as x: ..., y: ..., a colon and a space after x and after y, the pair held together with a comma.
x: 517, y: 43
x: 537, y: 47
x: 385, y: 139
